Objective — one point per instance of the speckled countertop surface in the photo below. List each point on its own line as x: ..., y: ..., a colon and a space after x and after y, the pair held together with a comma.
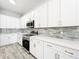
x: 74, y: 44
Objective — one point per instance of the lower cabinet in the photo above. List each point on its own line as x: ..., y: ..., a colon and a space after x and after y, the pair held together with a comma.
x: 19, y: 37
x: 33, y: 47
x: 68, y: 53
x: 6, y: 39
x: 66, y: 56
x: 39, y: 49
x: 36, y: 48
x: 49, y: 51
x: 45, y: 50
x: 52, y: 51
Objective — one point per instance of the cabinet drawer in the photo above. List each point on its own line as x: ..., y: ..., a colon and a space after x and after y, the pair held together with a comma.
x: 69, y: 51
x: 50, y: 45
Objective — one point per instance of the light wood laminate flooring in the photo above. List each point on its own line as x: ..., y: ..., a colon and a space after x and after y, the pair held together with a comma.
x: 14, y: 51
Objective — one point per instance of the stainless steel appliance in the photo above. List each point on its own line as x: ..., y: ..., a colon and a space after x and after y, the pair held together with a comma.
x: 30, y: 24
x: 26, y: 40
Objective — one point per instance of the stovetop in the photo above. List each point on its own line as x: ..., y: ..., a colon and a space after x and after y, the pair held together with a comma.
x: 27, y: 36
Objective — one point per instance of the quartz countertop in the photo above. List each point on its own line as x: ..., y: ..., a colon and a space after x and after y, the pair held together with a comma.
x: 74, y: 44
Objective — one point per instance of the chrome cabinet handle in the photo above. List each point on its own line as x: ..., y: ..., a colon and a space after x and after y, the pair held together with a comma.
x: 57, y: 56
x: 49, y: 45
x: 69, y: 52
x: 34, y: 45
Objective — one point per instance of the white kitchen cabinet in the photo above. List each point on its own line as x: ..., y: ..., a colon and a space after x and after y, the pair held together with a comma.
x: 66, y: 56
x: 3, y: 21
x: 19, y: 37
x: 26, y: 18
x: 39, y: 49
x: 8, y: 39
x: 33, y: 46
x: 36, y: 48
x: 12, y: 22
x: 67, y: 53
x: 36, y: 18
x: 50, y: 51
x: 41, y: 16
x: 78, y: 12
x: 9, y: 22
x: 62, y: 13
x: 23, y: 22
x: 53, y: 13
x: 69, y: 12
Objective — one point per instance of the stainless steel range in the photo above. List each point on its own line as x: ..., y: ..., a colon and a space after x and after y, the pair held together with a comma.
x: 26, y: 40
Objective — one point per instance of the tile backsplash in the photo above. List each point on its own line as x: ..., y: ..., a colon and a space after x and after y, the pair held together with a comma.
x: 60, y: 32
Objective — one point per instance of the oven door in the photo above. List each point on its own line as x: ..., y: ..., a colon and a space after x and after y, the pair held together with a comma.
x: 26, y: 44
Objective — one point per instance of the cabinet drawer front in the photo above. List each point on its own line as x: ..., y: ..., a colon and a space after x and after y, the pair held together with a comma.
x: 69, y: 51
x: 50, y: 45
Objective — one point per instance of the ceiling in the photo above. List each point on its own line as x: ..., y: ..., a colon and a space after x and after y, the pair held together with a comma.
x: 21, y: 7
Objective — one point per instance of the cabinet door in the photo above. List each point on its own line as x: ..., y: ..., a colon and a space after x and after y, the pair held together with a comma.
x: 12, y: 22
x: 53, y: 13
x: 8, y: 39
x: 78, y: 12
x: 3, y: 21
x: 9, y: 22
x: 41, y: 16
x: 33, y: 47
x: 49, y: 51
x: 39, y: 49
x: 69, y: 12
x: 67, y: 53
x: 36, y: 18
x: 19, y: 37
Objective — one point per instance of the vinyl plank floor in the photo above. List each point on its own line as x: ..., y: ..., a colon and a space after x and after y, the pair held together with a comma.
x: 14, y: 51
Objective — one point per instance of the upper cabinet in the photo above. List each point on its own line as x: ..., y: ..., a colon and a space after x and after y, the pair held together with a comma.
x: 40, y: 15
x: 53, y: 13
x: 62, y: 13
x: 8, y: 22
x: 43, y: 15
x: 26, y: 18
x: 69, y: 12
x: 78, y: 12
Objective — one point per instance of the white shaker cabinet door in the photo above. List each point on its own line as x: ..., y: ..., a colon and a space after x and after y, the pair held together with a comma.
x: 69, y: 12
x: 53, y: 13
x: 49, y: 51
x: 39, y: 49
x: 78, y: 12
x: 36, y: 18
x: 43, y: 15
x: 12, y: 22
x: 33, y: 47
x: 9, y: 22
x: 3, y: 21
x: 8, y: 39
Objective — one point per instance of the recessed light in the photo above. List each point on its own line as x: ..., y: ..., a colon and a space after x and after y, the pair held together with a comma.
x: 13, y: 2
